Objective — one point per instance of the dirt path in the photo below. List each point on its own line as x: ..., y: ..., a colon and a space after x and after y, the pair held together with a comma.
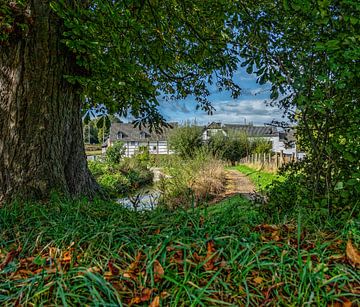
x: 238, y: 183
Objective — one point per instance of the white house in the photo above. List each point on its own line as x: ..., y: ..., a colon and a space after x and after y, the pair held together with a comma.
x: 134, y: 138
x: 281, y: 141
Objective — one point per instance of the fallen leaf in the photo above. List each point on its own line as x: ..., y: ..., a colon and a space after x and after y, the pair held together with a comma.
x: 209, y: 265
x: 146, y: 294
x: 10, y: 257
x: 157, y: 231
x: 132, y: 271
x: 155, y: 302
x: 113, y: 269
x: 275, y: 235
x: 158, y: 271
x: 267, y: 227
x: 66, y: 257
x: 164, y: 294
x: 135, y: 300
x: 353, y: 254
x: 258, y: 280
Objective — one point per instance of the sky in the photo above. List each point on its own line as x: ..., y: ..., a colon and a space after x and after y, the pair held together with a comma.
x: 249, y: 107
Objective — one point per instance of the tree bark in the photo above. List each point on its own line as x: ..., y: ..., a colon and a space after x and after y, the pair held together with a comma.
x: 41, y: 142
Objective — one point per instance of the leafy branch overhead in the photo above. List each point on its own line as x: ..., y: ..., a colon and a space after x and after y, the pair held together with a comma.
x: 133, y: 52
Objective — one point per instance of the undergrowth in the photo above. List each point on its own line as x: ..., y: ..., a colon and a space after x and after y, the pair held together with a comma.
x: 97, y: 253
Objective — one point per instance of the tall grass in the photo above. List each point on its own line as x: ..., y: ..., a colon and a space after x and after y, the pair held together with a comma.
x: 76, y: 253
x: 192, y: 181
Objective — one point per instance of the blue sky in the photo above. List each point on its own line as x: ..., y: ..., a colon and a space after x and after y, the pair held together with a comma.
x: 249, y: 107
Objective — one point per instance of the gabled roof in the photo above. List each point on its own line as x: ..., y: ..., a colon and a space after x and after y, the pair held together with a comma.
x: 130, y: 133
x: 249, y: 130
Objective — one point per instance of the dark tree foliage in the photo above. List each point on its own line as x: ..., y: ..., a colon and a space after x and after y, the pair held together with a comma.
x: 309, y: 51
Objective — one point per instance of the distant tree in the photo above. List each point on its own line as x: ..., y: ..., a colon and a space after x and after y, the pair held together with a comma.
x: 261, y: 145
x: 230, y: 147
x: 185, y: 140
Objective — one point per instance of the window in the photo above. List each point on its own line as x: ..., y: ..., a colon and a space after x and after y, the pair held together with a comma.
x: 120, y: 135
x: 154, y: 147
x: 133, y: 143
x: 142, y: 135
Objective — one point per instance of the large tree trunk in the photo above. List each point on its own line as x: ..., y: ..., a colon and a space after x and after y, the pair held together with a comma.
x: 41, y: 143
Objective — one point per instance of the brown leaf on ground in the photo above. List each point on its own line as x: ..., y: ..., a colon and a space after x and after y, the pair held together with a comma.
x: 352, y: 254
x: 158, y: 271
x: 157, y: 231
x: 66, y: 257
x: 155, y: 302
x: 135, y: 300
x: 10, y: 257
x: 343, y: 303
x: 113, y: 269
x: 266, y: 227
x: 210, y: 256
x: 146, y: 294
x: 258, y: 280
x: 132, y: 271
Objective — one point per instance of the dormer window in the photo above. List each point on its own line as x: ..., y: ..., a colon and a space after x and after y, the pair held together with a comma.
x: 142, y: 135
x: 120, y: 135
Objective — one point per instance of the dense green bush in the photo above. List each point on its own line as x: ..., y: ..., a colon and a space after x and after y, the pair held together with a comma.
x: 124, y: 177
x: 115, y: 184
x: 231, y: 147
x: 186, y: 140
x: 115, y: 153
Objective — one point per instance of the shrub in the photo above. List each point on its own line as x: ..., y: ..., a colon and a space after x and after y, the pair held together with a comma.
x: 115, y: 184
x: 186, y: 140
x: 231, y: 147
x: 115, y: 153
x: 261, y: 145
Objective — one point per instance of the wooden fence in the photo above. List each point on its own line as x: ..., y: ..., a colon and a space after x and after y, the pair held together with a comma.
x: 273, y: 160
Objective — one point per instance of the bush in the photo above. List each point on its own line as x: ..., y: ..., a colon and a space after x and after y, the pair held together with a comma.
x: 115, y: 184
x: 186, y: 140
x: 120, y: 178
x: 261, y: 145
x: 232, y: 147
x: 115, y: 153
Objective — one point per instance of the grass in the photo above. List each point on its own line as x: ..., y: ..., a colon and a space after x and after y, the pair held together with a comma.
x: 100, y: 254
x: 259, y: 177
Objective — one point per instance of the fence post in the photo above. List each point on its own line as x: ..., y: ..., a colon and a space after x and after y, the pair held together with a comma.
x: 277, y: 160
x: 281, y: 158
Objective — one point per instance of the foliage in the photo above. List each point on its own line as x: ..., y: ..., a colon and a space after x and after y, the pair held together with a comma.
x: 122, y: 178
x: 261, y: 146
x: 133, y: 51
x: 231, y: 147
x: 186, y: 140
x: 115, y: 184
x: 98, y: 253
x: 191, y: 181
x: 115, y: 153
x: 309, y: 51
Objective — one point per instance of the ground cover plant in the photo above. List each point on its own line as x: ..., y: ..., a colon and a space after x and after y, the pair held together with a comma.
x: 98, y: 253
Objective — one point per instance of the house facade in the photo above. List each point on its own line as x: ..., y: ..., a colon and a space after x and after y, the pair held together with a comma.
x: 157, y: 143
x: 135, y: 138
x: 281, y: 141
